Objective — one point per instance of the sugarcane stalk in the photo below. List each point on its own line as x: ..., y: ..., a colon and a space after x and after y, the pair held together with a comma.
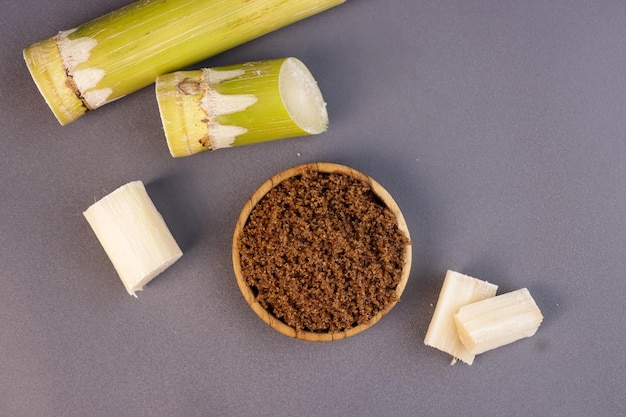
x: 240, y: 104
x: 93, y: 64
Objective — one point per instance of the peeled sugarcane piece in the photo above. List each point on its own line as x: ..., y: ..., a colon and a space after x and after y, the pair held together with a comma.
x: 241, y: 104
x: 498, y: 321
x: 103, y: 60
x: 133, y: 234
x: 457, y: 291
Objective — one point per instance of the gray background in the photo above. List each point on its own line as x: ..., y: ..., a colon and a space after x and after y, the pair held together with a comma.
x: 499, y: 128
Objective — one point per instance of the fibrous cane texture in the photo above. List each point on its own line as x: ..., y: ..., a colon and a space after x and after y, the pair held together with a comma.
x: 133, y: 234
x: 498, y: 321
x: 457, y: 291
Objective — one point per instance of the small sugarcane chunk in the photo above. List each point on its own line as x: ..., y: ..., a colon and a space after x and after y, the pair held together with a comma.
x: 133, y: 234
x: 457, y: 291
x: 498, y: 321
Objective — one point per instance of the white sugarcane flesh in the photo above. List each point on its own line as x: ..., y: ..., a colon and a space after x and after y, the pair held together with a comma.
x: 498, y: 321
x: 457, y: 291
x: 133, y: 235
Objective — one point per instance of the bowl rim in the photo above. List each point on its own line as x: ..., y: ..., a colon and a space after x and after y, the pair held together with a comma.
x: 261, y: 191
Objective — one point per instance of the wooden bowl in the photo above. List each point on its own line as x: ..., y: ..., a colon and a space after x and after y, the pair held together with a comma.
x: 248, y: 292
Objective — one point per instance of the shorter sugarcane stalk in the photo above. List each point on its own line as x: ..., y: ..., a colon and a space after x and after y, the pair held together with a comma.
x: 240, y: 104
x: 133, y: 235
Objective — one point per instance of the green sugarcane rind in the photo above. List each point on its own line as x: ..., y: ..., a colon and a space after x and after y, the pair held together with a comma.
x: 239, y: 105
x: 46, y: 68
x: 130, y: 47
x: 184, y: 121
x: 265, y: 120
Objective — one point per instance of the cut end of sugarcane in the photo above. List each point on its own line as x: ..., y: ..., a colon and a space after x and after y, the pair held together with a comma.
x: 302, y: 97
x: 134, y: 235
x: 47, y: 69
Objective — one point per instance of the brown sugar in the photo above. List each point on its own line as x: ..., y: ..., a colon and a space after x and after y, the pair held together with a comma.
x: 322, y: 253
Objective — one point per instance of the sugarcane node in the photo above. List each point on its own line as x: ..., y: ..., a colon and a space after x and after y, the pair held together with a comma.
x: 205, y: 141
x: 189, y: 86
x: 69, y: 83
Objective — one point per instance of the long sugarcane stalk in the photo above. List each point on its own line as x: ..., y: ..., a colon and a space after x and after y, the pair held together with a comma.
x: 240, y: 104
x: 103, y: 60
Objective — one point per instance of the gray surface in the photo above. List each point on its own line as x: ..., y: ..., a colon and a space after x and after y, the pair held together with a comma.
x: 498, y: 126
